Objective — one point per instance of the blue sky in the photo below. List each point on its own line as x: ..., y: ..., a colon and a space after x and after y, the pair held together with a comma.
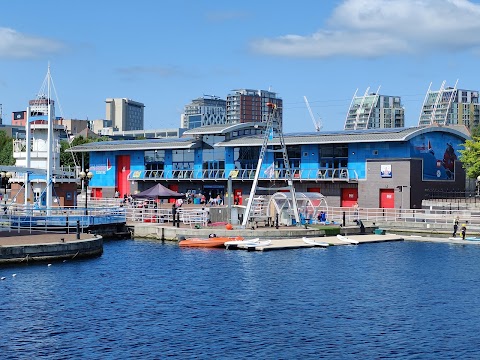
x: 166, y: 53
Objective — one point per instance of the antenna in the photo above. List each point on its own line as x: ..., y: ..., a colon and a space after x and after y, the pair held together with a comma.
x: 316, y: 123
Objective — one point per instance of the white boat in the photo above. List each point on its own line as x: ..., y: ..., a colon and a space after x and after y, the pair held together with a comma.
x: 347, y: 240
x: 248, y: 243
x: 315, y: 243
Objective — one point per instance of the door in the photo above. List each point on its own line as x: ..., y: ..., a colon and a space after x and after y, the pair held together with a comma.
x: 122, y: 171
x: 173, y: 187
x: 237, y: 197
x: 349, y: 197
x: 387, y: 198
x: 97, y: 193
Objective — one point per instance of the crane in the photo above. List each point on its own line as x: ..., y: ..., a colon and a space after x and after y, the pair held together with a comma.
x: 317, y: 123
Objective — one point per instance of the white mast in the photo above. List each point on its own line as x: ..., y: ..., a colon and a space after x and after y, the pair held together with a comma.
x: 50, y: 113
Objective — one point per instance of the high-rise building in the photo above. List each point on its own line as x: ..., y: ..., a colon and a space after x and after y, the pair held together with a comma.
x: 247, y: 105
x: 207, y: 110
x: 125, y: 114
x: 375, y: 111
x: 450, y: 106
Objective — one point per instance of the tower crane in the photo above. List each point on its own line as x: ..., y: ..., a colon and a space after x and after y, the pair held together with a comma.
x: 317, y: 123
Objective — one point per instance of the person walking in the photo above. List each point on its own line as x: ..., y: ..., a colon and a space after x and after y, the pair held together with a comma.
x: 455, y: 226
x: 464, y: 231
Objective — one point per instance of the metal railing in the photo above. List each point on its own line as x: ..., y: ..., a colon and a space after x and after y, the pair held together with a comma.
x: 342, y: 174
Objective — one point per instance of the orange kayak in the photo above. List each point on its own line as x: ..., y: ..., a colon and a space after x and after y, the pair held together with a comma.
x: 213, y: 242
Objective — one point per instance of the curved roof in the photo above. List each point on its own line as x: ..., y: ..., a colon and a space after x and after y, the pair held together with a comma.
x: 353, y: 136
x: 144, y: 144
x: 223, y: 128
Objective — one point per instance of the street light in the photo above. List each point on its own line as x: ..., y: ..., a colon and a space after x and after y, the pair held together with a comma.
x: 478, y: 185
x: 86, y: 176
x: 7, y: 176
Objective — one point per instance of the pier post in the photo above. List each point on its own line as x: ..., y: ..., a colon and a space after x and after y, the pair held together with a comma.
x: 66, y: 223
x: 276, y: 221
x: 78, y: 229
x: 344, y: 218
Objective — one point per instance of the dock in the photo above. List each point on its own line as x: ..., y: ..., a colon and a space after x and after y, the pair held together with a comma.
x: 298, y: 243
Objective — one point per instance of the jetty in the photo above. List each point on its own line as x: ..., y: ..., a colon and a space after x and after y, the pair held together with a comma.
x: 26, y: 247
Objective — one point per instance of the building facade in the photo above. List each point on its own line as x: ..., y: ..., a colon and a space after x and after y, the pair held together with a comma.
x: 450, y: 106
x: 375, y: 111
x: 246, y: 105
x: 207, y: 110
x: 125, y: 114
x: 367, y: 167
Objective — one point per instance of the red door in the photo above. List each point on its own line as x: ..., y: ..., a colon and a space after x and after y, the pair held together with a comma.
x: 349, y: 197
x: 387, y: 198
x: 97, y: 193
x: 122, y: 171
x: 173, y: 187
x: 237, y: 197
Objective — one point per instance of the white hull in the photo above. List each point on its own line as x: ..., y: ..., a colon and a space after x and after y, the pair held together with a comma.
x: 315, y: 243
x: 347, y: 240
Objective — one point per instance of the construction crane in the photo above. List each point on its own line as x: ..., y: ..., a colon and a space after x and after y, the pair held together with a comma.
x: 317, y: 123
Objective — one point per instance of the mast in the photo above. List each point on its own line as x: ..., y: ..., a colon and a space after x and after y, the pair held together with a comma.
x: 49, y: 184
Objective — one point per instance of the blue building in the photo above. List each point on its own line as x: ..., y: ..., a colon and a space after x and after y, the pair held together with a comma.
x: 370, y: 167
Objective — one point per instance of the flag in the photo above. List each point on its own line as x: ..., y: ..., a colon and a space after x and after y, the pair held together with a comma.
x: 270, y: 171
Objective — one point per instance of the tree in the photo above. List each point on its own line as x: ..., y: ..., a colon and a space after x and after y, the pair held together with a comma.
x: 67, y: 158
x: 470, y: 157
x: 6, y: 149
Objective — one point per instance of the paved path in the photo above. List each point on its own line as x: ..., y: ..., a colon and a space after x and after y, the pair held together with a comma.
x: 27, y: 238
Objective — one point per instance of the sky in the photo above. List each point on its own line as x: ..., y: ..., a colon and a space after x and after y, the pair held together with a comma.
x: 167, y: 53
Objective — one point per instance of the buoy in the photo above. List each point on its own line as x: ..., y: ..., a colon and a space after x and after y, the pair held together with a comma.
x: 2, y: 278
x: 49, y: 265
x: 14, y: 275
x: 229, y: 227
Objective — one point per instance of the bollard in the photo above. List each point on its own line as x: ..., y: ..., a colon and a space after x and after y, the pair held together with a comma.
x: 78, y: 229
x: 276, y: 221
x: 344, y: 218
x: 178, y: 220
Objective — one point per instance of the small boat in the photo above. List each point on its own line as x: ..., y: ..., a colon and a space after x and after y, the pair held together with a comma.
x: 211, y: 242
x: 315, y: 243
x: 248, y: 243
x: 345, y: 239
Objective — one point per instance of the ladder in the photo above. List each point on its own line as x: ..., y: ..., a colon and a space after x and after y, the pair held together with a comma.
x: 273, y: 127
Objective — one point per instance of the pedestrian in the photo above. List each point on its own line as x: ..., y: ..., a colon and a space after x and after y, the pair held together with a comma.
x: 464, y: 231
x: 455, y: 226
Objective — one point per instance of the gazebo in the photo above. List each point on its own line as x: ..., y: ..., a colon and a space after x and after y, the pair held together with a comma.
x: 308, y: 204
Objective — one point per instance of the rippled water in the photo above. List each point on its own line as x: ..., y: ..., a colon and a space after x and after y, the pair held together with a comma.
x: 148, y: 300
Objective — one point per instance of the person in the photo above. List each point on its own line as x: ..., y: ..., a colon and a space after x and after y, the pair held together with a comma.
x: 464, y: 231
x: 117, y: 194
x: 455, y: 226
x: 355, y: 209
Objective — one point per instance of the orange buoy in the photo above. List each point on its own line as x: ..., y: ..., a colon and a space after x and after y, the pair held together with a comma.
x: 229, y: 227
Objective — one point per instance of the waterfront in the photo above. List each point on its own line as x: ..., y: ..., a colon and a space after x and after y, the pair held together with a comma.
x: 145, y: 299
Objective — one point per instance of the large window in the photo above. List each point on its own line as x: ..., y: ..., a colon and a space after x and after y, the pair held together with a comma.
x: 183, y: 159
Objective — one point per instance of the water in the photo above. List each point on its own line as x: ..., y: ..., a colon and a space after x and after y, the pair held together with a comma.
x: 144, y: 299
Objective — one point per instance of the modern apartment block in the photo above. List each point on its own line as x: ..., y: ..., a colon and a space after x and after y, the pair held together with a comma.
x: 125, y: 114
x: 450, y: 106
x: 375, y: 111
x: 247, y: 105
x: 207, y: 110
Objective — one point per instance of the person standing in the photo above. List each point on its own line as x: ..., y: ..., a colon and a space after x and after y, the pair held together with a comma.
x: 464, y: 231
x: 455, y: 226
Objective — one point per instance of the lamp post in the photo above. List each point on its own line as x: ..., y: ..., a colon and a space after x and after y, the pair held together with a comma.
x: 86, y: 176
x: 7, y: 176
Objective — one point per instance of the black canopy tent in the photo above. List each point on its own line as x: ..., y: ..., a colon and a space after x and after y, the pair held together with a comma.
x: 158, y: 192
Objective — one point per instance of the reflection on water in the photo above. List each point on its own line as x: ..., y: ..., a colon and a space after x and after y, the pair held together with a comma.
x: 145, y: 299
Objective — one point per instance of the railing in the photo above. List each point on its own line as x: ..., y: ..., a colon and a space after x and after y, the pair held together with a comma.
x: 342, y: 174
x: 65, y: 219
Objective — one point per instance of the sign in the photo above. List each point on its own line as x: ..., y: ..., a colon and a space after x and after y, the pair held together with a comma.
x: 386, y: 171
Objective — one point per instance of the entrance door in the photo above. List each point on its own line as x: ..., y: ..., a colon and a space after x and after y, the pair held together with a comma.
x: 173, y: 187
x: 349, y: 197
x: 122, y: 171
x: 387, y: 198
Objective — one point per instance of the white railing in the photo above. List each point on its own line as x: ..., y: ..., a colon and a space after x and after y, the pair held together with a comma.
x: 343, y: 174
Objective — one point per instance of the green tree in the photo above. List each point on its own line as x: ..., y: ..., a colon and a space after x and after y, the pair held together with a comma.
x: 71, y: 159
x: 6, y: 149
x: 470, y: 156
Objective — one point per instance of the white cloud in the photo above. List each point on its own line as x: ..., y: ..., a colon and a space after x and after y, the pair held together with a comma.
x: 16, y: 45
x: 369, y: 28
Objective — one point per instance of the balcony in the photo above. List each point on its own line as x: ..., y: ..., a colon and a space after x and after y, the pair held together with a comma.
x: 340, y: 174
